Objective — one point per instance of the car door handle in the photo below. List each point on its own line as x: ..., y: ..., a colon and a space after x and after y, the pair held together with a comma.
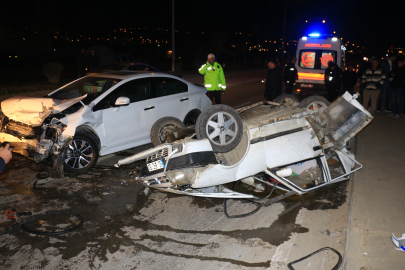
x: 149, y: 108
x: 183, y: 99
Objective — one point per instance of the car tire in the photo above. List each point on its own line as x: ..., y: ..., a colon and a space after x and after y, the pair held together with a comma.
x: 191, y: 118
x: 316, y: 104
x: 222, y: 126
x: 287, y: 99
x: 162, y: 128
x: 81, y: 155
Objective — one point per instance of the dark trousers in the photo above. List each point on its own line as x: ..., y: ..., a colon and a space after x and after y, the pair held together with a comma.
x: 289, y: 86
x: 333, y: 92
x: 270, y: 93
x: 215, y: 94
x: 397, y: 100
x: 82, y: 72
x: 347, y: 89
x: 384, y: 95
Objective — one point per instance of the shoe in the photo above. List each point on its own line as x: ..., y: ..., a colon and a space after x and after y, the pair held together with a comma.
x: 391, y: 115
x: 387, y: 110
x: 378, y: 111
x: 396, y: 117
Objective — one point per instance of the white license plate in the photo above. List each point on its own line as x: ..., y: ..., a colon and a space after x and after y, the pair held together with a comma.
x: 156, y: 165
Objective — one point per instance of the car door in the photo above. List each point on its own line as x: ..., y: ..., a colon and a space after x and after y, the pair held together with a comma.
x: 171, y: 96
x: 130, y: 123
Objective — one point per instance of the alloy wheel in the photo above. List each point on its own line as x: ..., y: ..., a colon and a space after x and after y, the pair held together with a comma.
x: 79, y: 154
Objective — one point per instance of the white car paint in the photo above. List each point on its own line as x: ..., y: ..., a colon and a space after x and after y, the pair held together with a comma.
x: 280, y: 139
x: 118, y: 128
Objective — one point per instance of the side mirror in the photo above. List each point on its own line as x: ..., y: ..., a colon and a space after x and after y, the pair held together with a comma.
x: 122, y: 101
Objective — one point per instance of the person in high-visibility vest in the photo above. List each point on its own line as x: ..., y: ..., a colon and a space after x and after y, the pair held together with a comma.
x: 214, y: 78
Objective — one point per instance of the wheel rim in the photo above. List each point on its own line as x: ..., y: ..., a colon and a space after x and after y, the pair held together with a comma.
x: 165, y: 131
x: 222, y: 128
x: 318, y: 107
x: 79, y: 155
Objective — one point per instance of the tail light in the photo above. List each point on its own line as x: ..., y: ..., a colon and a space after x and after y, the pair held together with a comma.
x: 208, y: 94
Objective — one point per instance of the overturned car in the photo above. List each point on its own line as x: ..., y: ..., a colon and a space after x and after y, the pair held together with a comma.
x: 293, y: 148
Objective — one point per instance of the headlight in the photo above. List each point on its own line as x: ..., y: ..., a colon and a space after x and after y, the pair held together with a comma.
x: 57, y: 122
x: 180, y: 177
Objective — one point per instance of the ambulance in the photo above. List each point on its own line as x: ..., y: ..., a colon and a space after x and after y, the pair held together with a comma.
x: 313, y: 54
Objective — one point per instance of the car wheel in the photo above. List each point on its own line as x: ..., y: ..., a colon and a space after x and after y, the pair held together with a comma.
x: 81, y: 155
x: 287, y: 99
x: 316, y: 104
x: 163, y: 128
x: 222, y: 125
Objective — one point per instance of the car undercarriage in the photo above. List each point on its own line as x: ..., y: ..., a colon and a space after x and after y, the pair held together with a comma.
x: 295, y: 149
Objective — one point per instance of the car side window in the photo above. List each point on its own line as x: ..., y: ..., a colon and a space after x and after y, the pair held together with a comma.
x: 168, y: 86
x: 135, y: 90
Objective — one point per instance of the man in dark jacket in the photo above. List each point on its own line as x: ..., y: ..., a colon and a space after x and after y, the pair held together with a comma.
x: 362, y: 69
x: 398, y: 88
x: 290, y: 75
x: 5, y: 157
x: 388, y: 66
x: 274, y: 81
x: 92, y: 60
x: 349, y: 79
x: 81, y: 62
x: 333, y: 80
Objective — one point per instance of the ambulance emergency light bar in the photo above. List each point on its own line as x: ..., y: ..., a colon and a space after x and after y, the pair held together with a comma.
x: 317, y: 35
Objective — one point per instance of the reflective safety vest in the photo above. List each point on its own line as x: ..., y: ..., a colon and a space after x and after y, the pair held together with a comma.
x: 214, y: 78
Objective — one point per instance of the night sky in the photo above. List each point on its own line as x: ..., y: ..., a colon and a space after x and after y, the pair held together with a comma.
x: 363, y: 22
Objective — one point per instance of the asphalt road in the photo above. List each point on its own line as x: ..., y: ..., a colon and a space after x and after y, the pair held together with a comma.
x: 242, y: 88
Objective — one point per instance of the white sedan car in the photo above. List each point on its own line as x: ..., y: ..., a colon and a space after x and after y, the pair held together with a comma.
x: 98, y: 115
x: 293, y: 148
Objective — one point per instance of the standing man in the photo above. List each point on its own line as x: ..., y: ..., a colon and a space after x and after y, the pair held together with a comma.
x: 363, y: 67
x: 373, y: 79
x: 333, y: 80
x: 387, y: 65
x: 92, y: 60
x: 81, y: 62
x: 398, y: 88
x: 274, y: 81
x: 290, y: 75
x: 214, y: 78
x: 349, y: 79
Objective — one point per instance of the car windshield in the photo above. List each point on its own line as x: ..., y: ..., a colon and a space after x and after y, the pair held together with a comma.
x: 92, y: 86
x: 111, y: 67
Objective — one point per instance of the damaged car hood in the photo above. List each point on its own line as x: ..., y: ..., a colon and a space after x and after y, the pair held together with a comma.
x: 33, y: 110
